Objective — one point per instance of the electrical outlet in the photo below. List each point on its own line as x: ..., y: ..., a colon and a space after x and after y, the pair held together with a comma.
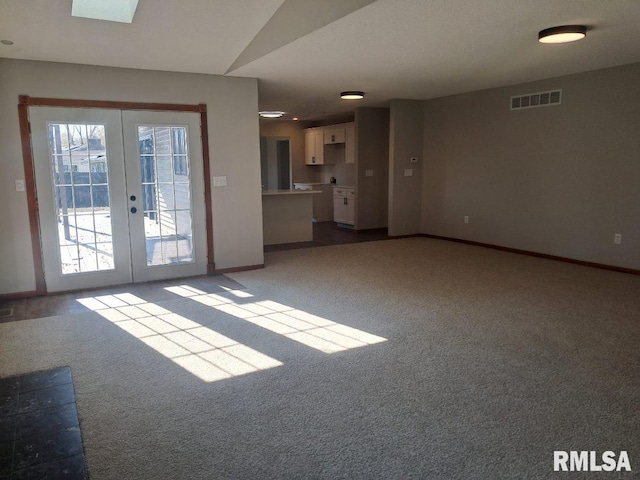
x: 220, y: 181
x: 368, y: 173
x: 466, y: 219
x: 408, y: 172
x: 617, y: 238
x: 19, y: 185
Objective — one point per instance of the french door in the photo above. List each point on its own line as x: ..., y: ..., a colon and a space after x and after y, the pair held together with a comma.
x: 120, y: 195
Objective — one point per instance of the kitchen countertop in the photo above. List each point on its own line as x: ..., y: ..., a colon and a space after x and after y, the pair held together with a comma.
x: 288, y: 192
x: 309, y: 185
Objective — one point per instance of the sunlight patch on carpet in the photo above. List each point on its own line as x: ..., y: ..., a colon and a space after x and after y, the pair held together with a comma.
x: 297, y: 325
x: 205, y: 353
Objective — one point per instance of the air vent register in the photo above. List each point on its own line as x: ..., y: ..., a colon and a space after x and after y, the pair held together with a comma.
x: 533, y: 100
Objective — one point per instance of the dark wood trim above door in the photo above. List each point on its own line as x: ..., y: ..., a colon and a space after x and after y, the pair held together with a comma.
x: 74, y: 103
x: 25, y: 101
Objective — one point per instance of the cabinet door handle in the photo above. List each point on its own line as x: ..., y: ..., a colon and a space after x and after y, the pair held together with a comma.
x: 333, y: 138
x: 345, y: 200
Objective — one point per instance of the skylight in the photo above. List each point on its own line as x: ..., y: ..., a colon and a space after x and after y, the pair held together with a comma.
x: 110, y: 10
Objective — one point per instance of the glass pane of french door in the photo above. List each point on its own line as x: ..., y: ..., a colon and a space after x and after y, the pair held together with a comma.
x: 166, y: 194
x: 79, y: 172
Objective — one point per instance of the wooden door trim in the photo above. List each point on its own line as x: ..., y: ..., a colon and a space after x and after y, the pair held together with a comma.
x: 32, y: 199
x: 25, y: 101
x: 75, y: 103
x: 206, y: 172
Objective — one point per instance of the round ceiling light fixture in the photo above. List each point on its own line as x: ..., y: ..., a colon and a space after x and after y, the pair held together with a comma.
x: 562, y: 34
x: 271, y: 114
x: 6, y: 42
x: 352, y: 95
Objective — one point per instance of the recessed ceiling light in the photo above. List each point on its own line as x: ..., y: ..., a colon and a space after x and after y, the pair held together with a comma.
x: 562, y: 34
x: 295, y: 119
x: 352, y: 95
x: 271, y: 114
x: 6, y: 42
x: 113, y: 10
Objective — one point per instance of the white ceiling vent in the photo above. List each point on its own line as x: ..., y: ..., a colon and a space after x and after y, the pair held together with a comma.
x: 539, y: 99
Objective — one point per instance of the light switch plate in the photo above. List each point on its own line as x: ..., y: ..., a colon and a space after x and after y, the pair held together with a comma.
x: 220, y: 181
x: 408, y: 172
x: 368, y: 173
x: 19, y: 185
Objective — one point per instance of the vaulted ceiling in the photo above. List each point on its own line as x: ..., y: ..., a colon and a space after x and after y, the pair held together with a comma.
x: 305, y: 52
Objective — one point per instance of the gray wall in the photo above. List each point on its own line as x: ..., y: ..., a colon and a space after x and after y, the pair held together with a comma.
x: 559, y: 180
x: 405, y: 141
x: 233, y: 136
x: 372, y: 153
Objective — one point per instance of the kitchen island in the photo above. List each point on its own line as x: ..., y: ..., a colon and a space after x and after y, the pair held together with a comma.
x: 323, y: 203
x: 287, y: 216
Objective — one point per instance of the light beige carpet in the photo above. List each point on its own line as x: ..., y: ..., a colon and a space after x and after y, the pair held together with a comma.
x: 447, y: 361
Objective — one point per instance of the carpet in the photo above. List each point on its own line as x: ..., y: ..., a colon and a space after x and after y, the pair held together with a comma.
x: 451, y: 361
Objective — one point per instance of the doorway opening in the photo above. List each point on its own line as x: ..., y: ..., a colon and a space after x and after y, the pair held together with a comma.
x: 123, y: 191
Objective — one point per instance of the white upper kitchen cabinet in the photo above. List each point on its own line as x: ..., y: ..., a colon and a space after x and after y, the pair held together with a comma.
x: 314, y: 147
x: 334, y: 135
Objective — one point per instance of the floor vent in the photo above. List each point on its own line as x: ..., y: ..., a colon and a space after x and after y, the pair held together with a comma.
x: 540, y: 99
x: 6, y: 312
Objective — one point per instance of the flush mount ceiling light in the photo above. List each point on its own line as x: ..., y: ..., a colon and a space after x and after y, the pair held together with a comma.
x: 562, y: 34
x: 352, y: 95
x: 271, y: 114
x: 6, y: 42
x: 113, y: 10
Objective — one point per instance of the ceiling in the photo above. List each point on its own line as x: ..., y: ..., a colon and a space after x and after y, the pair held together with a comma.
x: 305, y: 52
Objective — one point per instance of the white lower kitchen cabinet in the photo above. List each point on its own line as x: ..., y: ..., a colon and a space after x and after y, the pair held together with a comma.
x: 344, y: 203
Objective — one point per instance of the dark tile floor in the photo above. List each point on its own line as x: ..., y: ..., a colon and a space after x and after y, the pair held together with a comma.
x: 39, y: 429
x: 328, y: 233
